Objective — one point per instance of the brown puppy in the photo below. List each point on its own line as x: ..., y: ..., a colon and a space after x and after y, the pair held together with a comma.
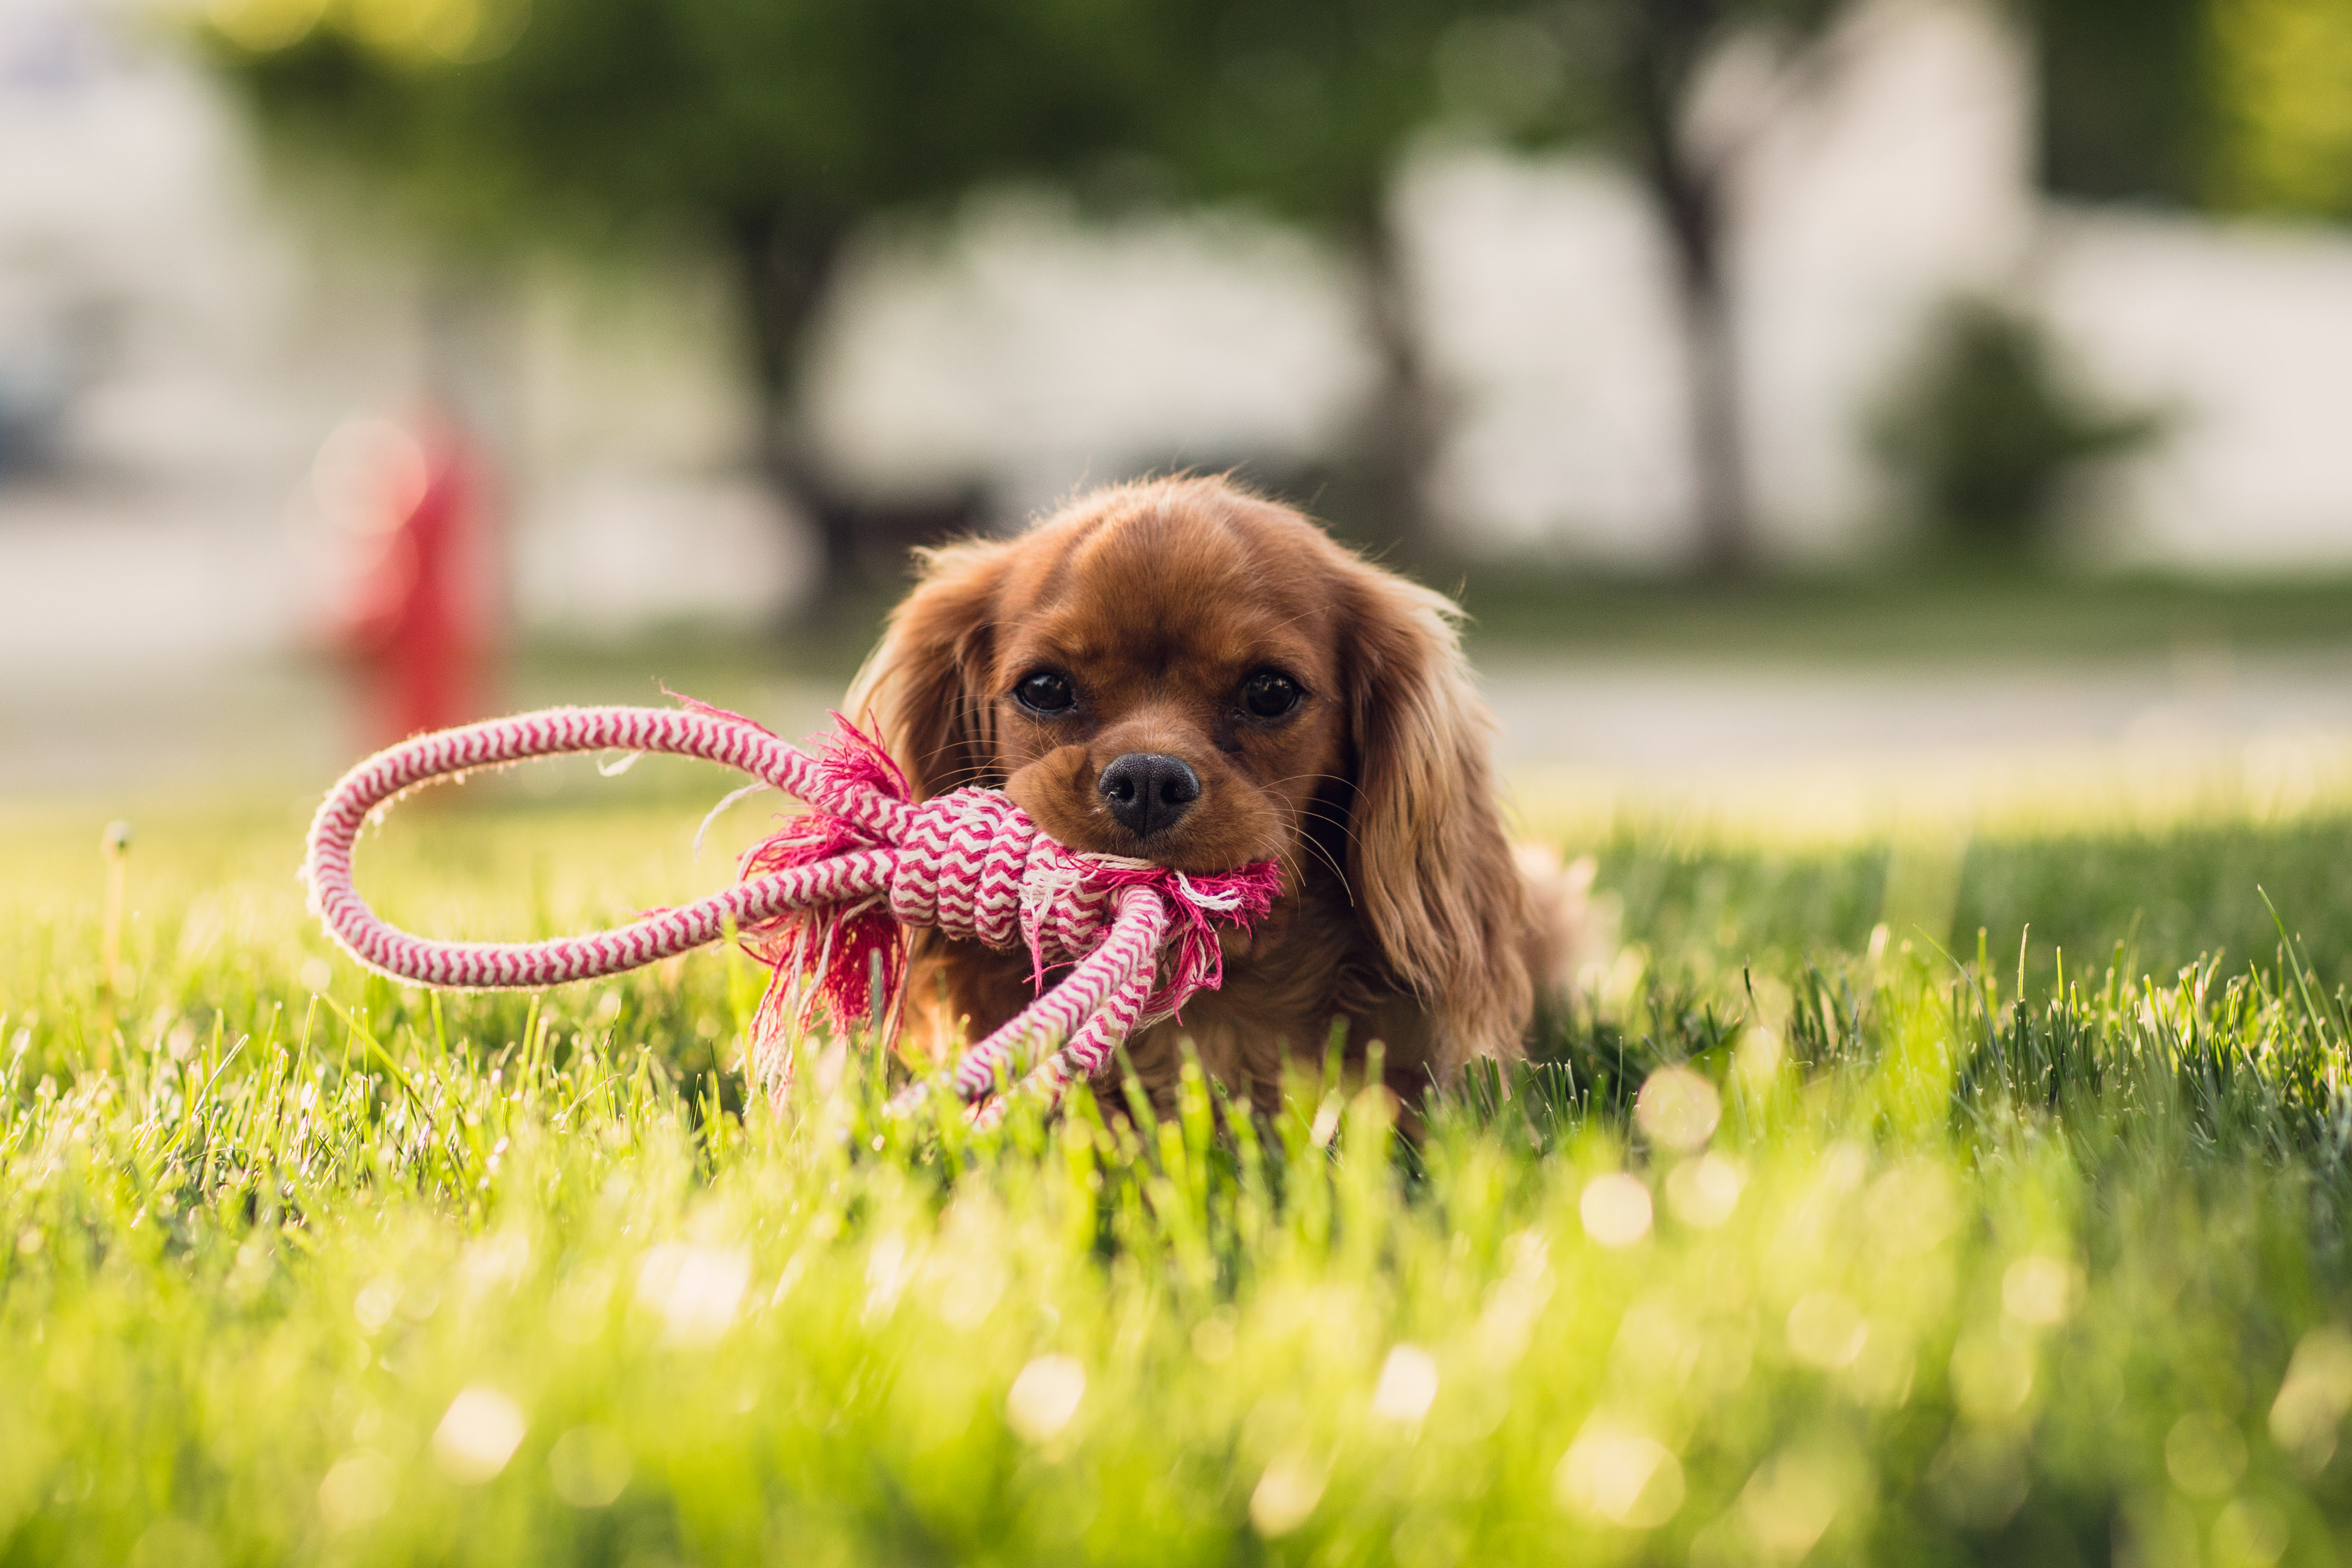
x: 1184, y: 672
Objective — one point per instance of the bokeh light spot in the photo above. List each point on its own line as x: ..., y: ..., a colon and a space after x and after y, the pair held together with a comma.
x: 265, y: 25
x: 2313, y: 1397
x: 1678, y: 1108
x: 1702, y: 1193
x: 2039, y: 1291
x: 694, y: 1288
x: 1614, y: 1473
x: 358, y: 1491
x: 1044, y: 1395
x: 1285, y: 1495
x: 1615, y: 1209
x: 2204, y: 1454
x: 589, y: 1466
x: 1992, y: 1376
x: 477, y: 1434
x: 2250, y: 1533
x: 1790, y: 1503
x: 1826, y: 1330
x: 1408, y: 1384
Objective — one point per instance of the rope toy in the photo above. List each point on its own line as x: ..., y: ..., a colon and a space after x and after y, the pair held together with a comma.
x: 827, y: 902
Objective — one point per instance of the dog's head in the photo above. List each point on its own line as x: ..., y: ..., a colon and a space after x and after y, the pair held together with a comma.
x: 1186, y: 673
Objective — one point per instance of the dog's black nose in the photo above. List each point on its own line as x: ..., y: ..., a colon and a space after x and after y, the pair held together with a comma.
x: 1148, y: 791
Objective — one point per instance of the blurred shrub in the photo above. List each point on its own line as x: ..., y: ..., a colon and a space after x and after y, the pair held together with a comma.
x: 1986, y: 429
x: 2128, y: 98
x: 2282, y: 68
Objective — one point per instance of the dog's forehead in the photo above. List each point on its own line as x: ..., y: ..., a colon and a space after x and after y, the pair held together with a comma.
x: 1163, y: 586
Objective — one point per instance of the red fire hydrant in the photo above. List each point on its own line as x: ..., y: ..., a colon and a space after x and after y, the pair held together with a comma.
x: 416, y: 610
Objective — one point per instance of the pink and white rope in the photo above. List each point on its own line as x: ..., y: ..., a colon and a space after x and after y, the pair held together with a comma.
x: 971, y: 864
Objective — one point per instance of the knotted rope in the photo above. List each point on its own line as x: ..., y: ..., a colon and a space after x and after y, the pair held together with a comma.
x: 827, y: 902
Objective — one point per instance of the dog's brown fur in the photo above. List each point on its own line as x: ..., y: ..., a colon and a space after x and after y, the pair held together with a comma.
x: 1402, y: 912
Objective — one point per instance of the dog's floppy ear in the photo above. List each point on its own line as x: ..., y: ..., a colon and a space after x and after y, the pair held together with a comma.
x: 923, y: 689
x: 1432, y: 871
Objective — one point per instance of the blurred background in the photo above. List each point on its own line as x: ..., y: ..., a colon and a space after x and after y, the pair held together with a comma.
x: 1827, y: 394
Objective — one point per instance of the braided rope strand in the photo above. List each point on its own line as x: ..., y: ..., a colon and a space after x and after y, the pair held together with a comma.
x: 1086, y: 1053
x: 972, y: 863
x: 1060, y: 1014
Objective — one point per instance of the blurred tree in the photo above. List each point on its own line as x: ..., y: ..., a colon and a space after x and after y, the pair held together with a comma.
x: 1630, y: 73
x: 2283, y: 82
x: 1308, y: 105
x: 2126, y: 97
x: 778, y: 126
x: 1304, y: 109
x: 2235, y: 105
x: 773, y: 128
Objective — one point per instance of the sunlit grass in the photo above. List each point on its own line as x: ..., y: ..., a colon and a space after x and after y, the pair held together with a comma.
x: 1819, y: 1234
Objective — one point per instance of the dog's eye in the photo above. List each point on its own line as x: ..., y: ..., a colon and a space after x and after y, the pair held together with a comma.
x: 1045, y: 692
x: 1267, y: 694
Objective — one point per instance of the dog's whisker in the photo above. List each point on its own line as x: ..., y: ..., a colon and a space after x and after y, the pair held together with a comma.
x: 1292, y: 778
x: 1345, y: 829
x: 1331, y: 860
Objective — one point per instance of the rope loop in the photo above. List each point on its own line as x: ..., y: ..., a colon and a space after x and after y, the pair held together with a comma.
x: 826, y: 901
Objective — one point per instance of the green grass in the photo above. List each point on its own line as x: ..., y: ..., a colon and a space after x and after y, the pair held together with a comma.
x: 1926, y: 612
x: 2167, y: 899
x: 1970, y: 1264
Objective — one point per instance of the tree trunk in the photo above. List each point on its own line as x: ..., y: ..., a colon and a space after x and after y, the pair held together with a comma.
x: 1668, y: 46
x: 1404, y: 424
x: 784, y: 269
x: 1725, y: 521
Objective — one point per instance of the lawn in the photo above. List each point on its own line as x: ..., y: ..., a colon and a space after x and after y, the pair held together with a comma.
x: 1933, y: 611
x: 1826, y: 1229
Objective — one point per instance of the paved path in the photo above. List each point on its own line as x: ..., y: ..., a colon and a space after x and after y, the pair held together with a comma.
x: 1669, y: 720
x: 1676, y: 729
